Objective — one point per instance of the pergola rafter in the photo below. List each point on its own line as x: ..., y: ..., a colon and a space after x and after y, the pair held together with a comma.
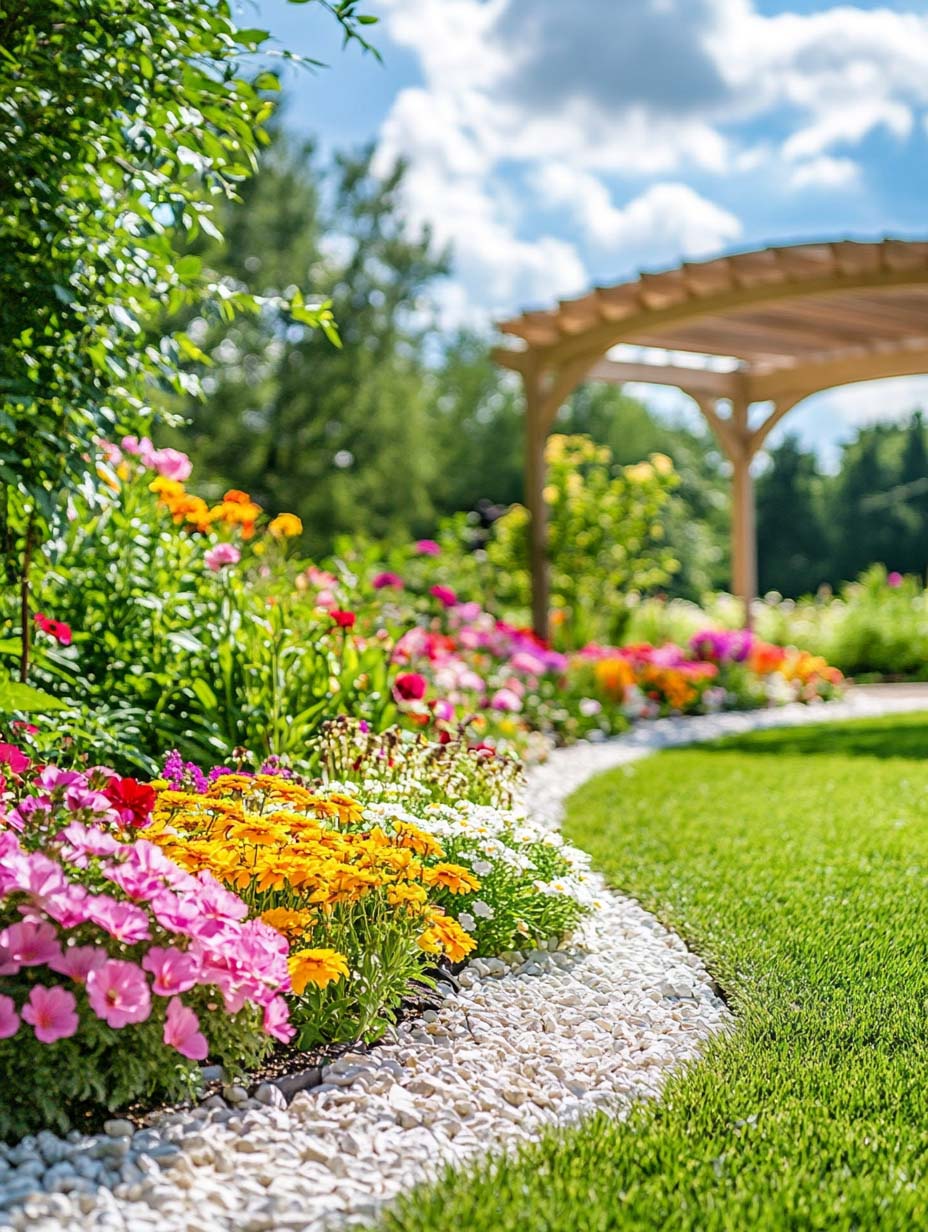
x: 788, y: 321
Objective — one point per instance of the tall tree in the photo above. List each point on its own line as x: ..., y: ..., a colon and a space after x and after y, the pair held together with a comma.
x: 792, y: 544
x: 339, y: 435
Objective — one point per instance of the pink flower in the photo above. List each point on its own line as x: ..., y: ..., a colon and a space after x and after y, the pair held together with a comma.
x: 80, y: 842
x: 29, y: 944
x: 9, y: 1019
x: 525, y: 661
x: 384, y: 581
x: 222, y: 554
x: 172, y: 464
x: 409, y: 687
x: 445, y: 595
x: 77, y: 961
x: 505, y: 699
x: 57, y: 629
x: 174, y: 971
x: 118, y: 993
x: 443, y: 710
x: 426, y: 547
x: 182, y: 1031
x: 122, y: 921
x: 52, y: 1013
x: 894, y: 579
x: 277, y: 1020
x: 13, y: 757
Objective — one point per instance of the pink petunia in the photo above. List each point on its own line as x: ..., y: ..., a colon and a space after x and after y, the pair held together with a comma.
x: 387, y: 581
x: 410, y: 687
x: 277, y: 1020
x: 426, y: 547
x: 122, y: 921
x: 118, y: 993
x: 15, y: 758
x: 30, y: 944
x: 444, y: 594
x: 506, y: 699
x: 52, y: 1013
x: 9, y: 1019
x: 173, y: 970
x: 172, y: 464
x: 77, y: 962
x: 219, y: 556
x: 182, y: 1031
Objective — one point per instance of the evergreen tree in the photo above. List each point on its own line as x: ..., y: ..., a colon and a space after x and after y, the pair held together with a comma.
x: 337, y: 434
x: 792, y: 544
x: 913, y: 481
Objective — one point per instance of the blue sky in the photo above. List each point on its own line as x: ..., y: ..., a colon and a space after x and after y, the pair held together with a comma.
x: 554, y: 145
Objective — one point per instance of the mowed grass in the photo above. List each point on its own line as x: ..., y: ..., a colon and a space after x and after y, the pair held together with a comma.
x: 795, y: 862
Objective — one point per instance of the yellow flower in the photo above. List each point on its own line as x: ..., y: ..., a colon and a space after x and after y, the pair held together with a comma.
x: 409, y: 896
x: 452, y: 877
x: 662, y: 464
x: 317, y: 967
x: 445, y: 934
x: 285, y: 526
x: 292, y: 924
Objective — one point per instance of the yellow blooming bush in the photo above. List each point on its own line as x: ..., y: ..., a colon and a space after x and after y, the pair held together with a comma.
x: 358, y: 906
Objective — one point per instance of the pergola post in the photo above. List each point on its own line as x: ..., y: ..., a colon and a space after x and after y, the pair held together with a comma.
x: 743, y: 533
x: 539, y: 568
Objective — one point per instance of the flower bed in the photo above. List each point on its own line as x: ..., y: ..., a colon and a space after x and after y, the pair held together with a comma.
x: 146, y: 929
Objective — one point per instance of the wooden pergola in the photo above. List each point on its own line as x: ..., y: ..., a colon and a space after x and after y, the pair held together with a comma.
x: 761, y: 330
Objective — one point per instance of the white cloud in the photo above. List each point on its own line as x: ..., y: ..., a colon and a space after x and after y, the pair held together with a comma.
x: 666, y: 217
x: 825, y: 172
x: 651, y: 92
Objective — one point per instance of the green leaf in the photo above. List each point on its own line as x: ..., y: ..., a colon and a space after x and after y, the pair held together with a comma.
x: 23, y: 698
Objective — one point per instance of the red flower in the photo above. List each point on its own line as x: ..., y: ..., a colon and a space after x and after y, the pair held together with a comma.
x: 344, y: 620
x: 445, y: 595
x: 410, y: 687
x: 15, y: 758
x: 132, y: 800
x: 57, y: 629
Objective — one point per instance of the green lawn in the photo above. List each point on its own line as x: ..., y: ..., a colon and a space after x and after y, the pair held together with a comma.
x: 796, y: 863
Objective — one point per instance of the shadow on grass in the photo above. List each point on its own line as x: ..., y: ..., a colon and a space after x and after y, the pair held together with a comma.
x: 902, y: 736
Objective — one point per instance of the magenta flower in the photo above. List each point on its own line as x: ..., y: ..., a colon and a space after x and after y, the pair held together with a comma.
x: 174, y: 971
x: 426, y: 547
x: 9, y: 1019
x: 444, y: 594
x: 118, y: 993
x: 29, y: 944
x: 894, y: 579
x: 277, y: 1020
x: 13, y: 757
x: 182, y: 1031
x: 222, y: 554
x: 387, y: 581
x: 52, y: 1013
x: 77, y: 961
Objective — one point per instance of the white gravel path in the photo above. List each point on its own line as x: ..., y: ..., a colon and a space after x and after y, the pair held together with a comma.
x: 540, y: 1041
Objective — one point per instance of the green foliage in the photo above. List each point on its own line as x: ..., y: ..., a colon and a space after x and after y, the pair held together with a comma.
x: 605, y: 537
x: 169, y: 654
x: 124, y: 122
x: 323, y: 431
x: 792, y: 861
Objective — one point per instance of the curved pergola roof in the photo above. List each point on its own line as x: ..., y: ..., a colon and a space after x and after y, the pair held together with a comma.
x: 794, y: 317
x: 788, y: 321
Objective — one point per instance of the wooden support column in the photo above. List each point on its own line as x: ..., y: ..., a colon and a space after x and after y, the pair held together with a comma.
x: 545, y: 392
x: 743, y: 532
x: 539, y: 568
